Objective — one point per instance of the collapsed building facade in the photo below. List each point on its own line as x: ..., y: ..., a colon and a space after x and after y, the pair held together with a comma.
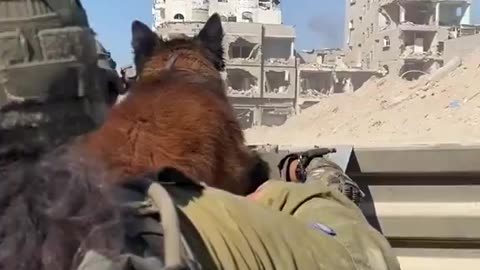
x: 406, y: 37
x: 322, y: 73
x: 267, y: 81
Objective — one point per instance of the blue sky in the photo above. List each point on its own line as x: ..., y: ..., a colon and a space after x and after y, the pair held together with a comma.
x: 318, y: 23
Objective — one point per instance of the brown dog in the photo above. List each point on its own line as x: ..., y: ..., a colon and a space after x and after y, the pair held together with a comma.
x: 178, y: 115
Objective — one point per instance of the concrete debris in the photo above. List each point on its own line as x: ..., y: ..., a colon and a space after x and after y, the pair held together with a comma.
x: 314, y: 93
x: 242, y: 92
x: 276, y: 61
x: 446, y: 69
x: 387, y: 111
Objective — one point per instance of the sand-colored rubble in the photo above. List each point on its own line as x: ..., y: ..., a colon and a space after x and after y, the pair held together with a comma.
x: 390, y: 111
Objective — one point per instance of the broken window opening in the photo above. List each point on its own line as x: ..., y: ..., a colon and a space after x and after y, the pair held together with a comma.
x: 273, y: 117
x: 441, y: 46
x: 451, y: 14
x: 244, y: 117
x: 247, y: 16
x: 315, y: 84
x: 389, y: 14
x: 232, y: 18
x: 413, y: 70
x: 268, y: 4
x: 179, y: 16
x: 240, y: 82
x: 223, y: 18
x: 343, y: 84
x: 386, y: 70
x: 420, y: 13
x: 241, y: 48
x: 277, y: 48
x: 418, y: 43
x: 277, y: 82
x: 386, y: 43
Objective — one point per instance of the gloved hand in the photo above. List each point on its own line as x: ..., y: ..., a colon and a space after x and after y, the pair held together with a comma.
x: 311, y: 165
x: 293, y: 166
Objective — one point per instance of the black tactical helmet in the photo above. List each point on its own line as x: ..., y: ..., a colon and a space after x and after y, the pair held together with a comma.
x: 51, y: 87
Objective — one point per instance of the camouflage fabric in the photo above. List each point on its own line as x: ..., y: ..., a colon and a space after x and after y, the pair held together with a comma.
x: 50, y: 87
x: 326, y: 171
x: 313, y: 166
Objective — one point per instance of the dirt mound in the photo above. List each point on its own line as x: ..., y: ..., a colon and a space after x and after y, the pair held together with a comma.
x: 390, y: 111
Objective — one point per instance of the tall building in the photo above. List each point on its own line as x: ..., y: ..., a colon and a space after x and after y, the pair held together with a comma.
x: 401, y: 36
x: 259, y: 11
x: 259, y: 52
x: 267, y: 80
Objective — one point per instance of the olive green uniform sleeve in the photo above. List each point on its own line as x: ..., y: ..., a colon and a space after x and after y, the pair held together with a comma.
x: 316, y: 203
x: 241, y: 234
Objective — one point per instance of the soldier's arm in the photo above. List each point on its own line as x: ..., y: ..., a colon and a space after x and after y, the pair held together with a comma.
x: 312, y: 165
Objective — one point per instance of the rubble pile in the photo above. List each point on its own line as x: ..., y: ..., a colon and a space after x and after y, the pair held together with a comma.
x: 390, y: 111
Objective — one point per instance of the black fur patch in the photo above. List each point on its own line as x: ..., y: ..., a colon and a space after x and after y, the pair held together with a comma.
x: 211, y: 37
x: 144, y: 42
x: 259, y: 173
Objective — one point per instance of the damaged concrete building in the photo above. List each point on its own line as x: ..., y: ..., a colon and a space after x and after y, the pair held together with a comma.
x: 406, y: 37
x: 267, y: 80
x: 259, y: 52
x: 322, y: 73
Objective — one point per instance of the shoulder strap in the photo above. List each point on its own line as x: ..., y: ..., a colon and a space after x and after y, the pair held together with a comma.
x: 170, y: 224
x: 177, y: 253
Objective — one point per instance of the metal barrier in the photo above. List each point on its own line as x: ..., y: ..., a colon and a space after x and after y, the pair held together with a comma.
x: 424, y: 198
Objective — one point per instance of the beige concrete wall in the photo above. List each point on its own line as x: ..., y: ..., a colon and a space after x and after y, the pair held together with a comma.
x: 366, y: 40
x: 279, y: 30
x: 460, y: 46
x: 242, y: 28
x: 364, y: 15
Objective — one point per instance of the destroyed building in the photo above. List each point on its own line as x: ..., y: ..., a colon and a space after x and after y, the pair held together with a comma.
x: 322, y: 73
x: 404, y: 37
x: 267, y: 80
x: 259, y: 11
x: 259, y: 52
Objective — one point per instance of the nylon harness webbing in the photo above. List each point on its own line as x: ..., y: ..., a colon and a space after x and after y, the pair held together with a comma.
x: 177, y: 252
x: 169, y: 221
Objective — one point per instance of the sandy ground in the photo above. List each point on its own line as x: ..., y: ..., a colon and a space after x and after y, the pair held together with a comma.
x: 389, y: 111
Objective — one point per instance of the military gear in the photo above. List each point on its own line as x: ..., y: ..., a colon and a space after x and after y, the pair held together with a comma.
x: 283, y: 226
x: 328, y: 210
x: 304, y: 160
x: 152, y: 225
x: 50, y: 87
x: 326, y: 171
x: 313, y: 166
x: 114, y: 84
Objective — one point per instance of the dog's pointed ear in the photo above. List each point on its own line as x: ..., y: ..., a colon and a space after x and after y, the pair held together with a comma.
x: 212, y: 34
x: 144, y: 40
